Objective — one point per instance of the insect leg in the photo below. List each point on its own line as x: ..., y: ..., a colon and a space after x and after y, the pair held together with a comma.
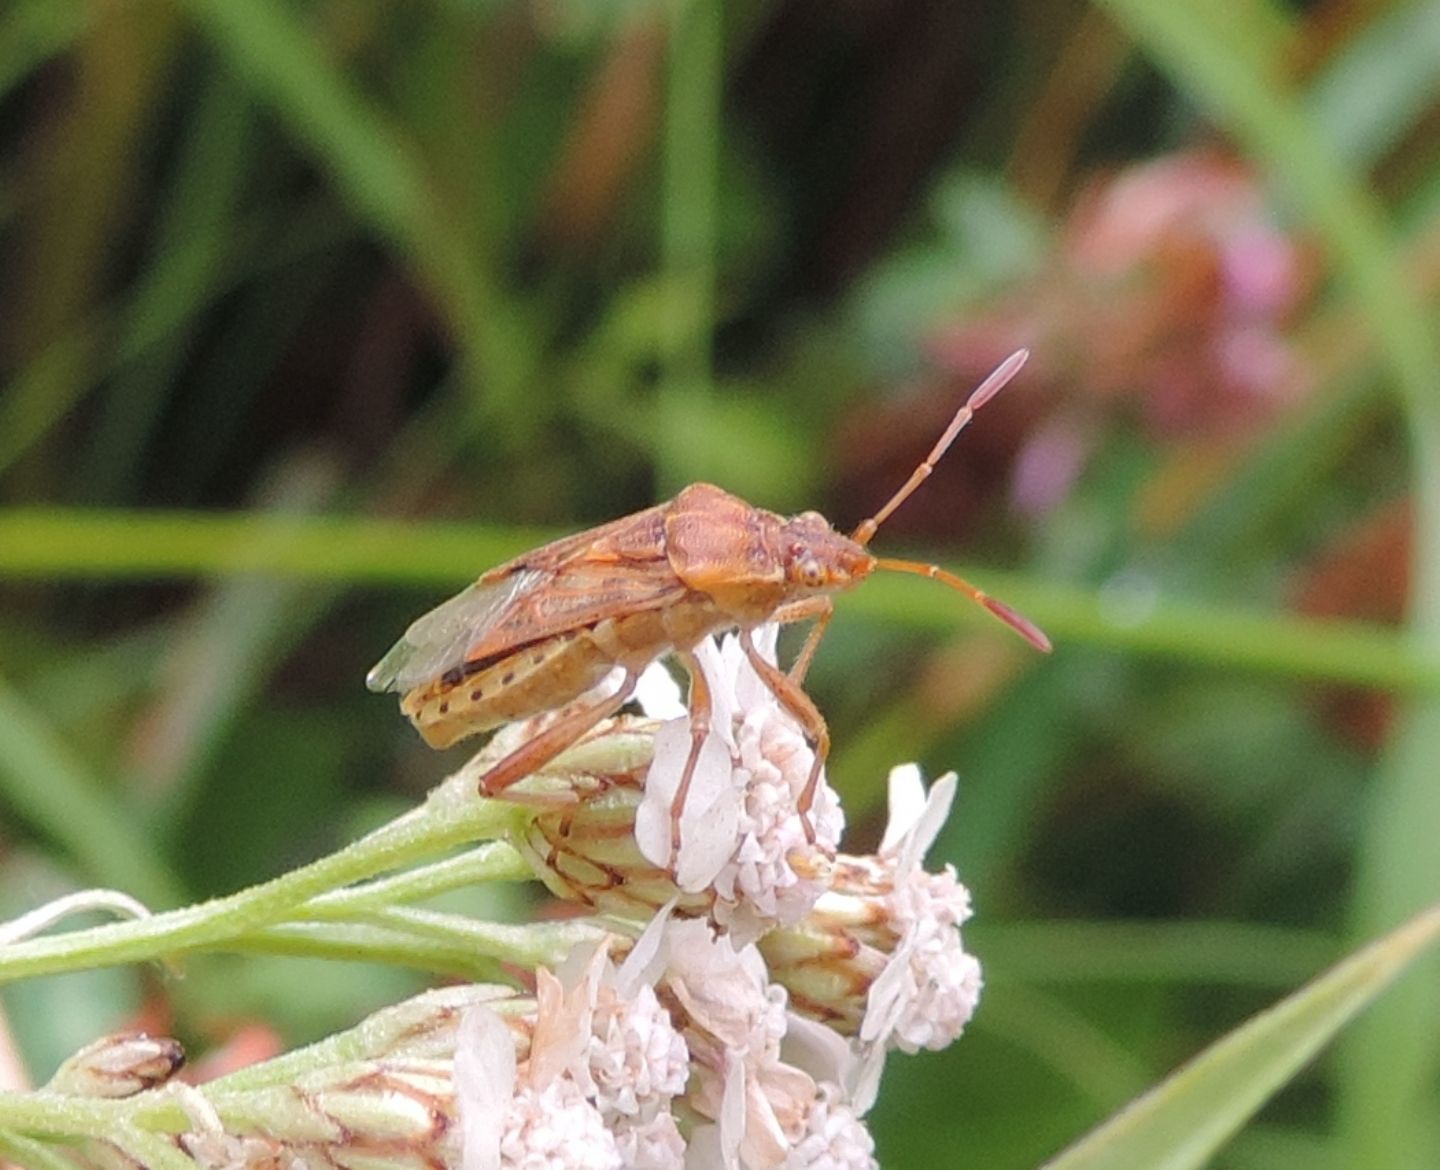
x: 803, y: 708
x: 822, y: 609
x: 538, y: 752
x: 699, y: 730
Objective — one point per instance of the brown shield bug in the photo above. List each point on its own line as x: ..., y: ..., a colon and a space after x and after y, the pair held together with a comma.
x: 534, y: 635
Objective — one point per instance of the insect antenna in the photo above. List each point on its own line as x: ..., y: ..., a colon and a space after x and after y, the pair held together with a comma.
x: 866, y: 530
x: 1017, y: 622
x: 982, y: 394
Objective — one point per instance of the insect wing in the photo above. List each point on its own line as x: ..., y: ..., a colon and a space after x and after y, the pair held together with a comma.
x: 441, y: 639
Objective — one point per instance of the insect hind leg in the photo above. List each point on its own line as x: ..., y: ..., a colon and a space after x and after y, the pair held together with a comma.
x: 535, y: 753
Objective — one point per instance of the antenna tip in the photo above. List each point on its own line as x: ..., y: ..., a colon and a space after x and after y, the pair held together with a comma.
x: 1021, y: 625
x: 998, y: 378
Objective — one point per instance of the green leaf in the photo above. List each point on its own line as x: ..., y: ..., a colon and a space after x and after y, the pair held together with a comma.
x: 1186, y: 1118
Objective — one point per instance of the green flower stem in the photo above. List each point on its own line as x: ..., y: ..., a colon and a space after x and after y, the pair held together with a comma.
x: 153, y: 1151
x: 24, y: 1151
x: 452, y: 816
x: 59, y: 1117
x: 528, y: 945
x: 358, y: 942
x: 495, y: 861
x: 367, y: 1040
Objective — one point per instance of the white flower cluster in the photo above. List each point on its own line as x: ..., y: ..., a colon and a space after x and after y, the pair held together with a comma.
x: 594, y: 1090
x: 748, y: 1026
x: 683, y: 1057
x: 742, y: 831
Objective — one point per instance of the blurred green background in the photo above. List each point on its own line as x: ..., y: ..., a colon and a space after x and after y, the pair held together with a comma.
x: 315, y: 309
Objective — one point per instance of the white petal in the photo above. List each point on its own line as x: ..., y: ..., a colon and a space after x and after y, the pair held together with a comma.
x: 927, y: 828
x: 732, y: 1111
x: 652, y: 818
x: 484, y: 1085
x: 709, y: 820
x: 864, y: 1086
x: 704, y: 1152
x: 906, y: 802
x: 658, y: 693
x: 645, y: 961
x: 818, y: 1050
x: 890, y: 992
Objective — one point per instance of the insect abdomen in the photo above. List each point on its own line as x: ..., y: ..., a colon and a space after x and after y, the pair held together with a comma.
x: 550, y: 673
x: 532, y: 680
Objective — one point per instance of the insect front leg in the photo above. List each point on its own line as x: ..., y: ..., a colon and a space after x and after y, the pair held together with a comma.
x: 803, y: 708
x: 699, y: 732
x: 534, y: 754
x: 822, y: 609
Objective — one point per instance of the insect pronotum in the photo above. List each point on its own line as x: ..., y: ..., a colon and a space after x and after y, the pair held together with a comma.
x: 536, y: 634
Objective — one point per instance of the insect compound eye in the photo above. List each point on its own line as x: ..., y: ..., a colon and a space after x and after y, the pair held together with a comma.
x: 810, y: 573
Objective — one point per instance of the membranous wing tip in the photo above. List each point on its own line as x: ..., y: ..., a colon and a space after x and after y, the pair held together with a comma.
x: 440, y: 640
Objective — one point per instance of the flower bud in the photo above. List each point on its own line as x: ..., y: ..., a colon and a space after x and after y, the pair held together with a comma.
x: 880, y: 955
x: 396, y: 1113
x: 118, y: 1066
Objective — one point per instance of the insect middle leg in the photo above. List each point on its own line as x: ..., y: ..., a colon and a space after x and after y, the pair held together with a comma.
x: 536, y: 753
x: 699, y: 732
x: 803, y: 708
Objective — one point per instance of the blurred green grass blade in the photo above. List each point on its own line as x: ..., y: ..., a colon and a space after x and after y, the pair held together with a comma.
x: 694, y: 82
x: 223, y: 651
x: 192, y: 244
x: 51, y: 789
x: 33, y: 31
x: 1098, y: 1067
x: 119, y: 544
x: 1240, y: 954
x: 1175, y: 629
x: 288, y: 69
x: 114, y: 544
x: 1386, y: 1065
x: 81, y: 193
x: 49, y: 385
x: 1182, y: 1122
x: 1383, y: 82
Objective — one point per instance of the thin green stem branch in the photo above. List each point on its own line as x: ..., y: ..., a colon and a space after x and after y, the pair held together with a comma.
x: 358, y: 942
x: 440, y: 824
x: 495, y: 861
x: 528, y: 944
